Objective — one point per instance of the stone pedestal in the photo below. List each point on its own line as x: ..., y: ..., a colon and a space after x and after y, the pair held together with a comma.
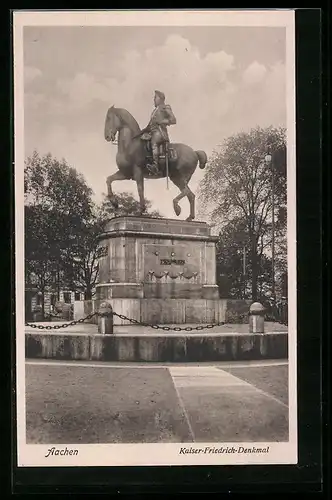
x: 160, y: 270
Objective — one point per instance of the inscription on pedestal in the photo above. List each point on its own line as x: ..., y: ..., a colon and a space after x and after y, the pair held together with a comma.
x: 169, y: 262
x: 174, y: 261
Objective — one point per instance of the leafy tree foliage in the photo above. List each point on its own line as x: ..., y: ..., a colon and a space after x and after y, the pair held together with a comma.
x: 127, y: 205
x: 236, y: 194
x: 58, y: 206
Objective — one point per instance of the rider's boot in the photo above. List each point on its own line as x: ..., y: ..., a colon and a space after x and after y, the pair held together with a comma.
x: 155, y: 164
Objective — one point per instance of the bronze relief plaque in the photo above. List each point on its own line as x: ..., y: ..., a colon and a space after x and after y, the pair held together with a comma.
x: 172, y: 261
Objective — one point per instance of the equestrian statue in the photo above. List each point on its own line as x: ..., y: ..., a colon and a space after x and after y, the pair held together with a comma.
x: 148, y: 153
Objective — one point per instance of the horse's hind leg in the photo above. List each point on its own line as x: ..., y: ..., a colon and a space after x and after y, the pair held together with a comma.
x: 185, y: 191
x: 191, y: 198
x: 118, y: 176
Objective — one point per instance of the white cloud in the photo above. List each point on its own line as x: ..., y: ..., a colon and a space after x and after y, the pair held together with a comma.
x: 209, y: 96
x: 82, y: 90
x: 196, y: 86
x: 254, y: 73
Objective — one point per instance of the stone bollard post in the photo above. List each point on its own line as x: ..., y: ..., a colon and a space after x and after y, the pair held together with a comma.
x: 105, y: 318
x: 256, y: 318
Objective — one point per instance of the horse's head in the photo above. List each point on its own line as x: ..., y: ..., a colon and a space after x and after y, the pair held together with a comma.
x: 112, y: 124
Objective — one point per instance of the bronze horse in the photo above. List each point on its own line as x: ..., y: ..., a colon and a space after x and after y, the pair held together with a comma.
x: 131, y: 160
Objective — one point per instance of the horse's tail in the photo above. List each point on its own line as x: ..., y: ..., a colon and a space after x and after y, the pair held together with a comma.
x: 202, y: 158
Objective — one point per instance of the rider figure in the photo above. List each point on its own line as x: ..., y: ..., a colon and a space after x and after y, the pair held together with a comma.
x: 162, y: 116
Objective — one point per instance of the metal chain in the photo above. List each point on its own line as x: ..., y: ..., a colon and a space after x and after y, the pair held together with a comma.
x: 131, y: 320
x: 275, y: 320
x: 136, y: 322
x: 168, y: 328
x: 63, y: 325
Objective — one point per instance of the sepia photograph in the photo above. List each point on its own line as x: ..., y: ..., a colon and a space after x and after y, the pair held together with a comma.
x: 155, y: 222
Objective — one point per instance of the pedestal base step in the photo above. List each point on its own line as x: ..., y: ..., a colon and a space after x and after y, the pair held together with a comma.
x: 157, y: 348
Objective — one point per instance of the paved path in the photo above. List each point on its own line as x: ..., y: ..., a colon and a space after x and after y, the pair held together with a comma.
x: 78, y: 402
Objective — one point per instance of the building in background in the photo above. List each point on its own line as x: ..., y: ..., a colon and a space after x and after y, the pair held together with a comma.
x: 37, y: 301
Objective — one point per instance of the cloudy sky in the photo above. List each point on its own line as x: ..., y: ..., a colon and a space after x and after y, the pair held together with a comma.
x: 218, y: 80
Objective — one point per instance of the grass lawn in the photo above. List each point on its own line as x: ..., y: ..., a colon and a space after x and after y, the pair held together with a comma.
x: 98, y: 405
x: 270, y: 379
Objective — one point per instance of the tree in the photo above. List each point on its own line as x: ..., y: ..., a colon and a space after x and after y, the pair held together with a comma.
x: 81, y: 263
x: 40, y: 255
x: 230, y: 260
x: 127, y: 205
x: 236, y: 193
x: 53, y: 184
x: 58, y: 207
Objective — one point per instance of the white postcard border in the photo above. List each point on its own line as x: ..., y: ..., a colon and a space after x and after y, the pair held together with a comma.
x: 153, y: 454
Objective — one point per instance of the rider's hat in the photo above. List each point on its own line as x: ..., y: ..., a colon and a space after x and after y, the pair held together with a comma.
x: 160, y: 94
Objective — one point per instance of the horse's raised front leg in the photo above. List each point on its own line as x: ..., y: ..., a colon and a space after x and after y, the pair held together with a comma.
x: 118, y: 176
x: 185, y: 191
x: 139, y: 178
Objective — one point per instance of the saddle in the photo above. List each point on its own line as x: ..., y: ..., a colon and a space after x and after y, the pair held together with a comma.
x: 165, y: 148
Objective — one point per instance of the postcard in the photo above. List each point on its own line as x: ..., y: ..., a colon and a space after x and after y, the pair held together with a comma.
x: 155, y: 226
